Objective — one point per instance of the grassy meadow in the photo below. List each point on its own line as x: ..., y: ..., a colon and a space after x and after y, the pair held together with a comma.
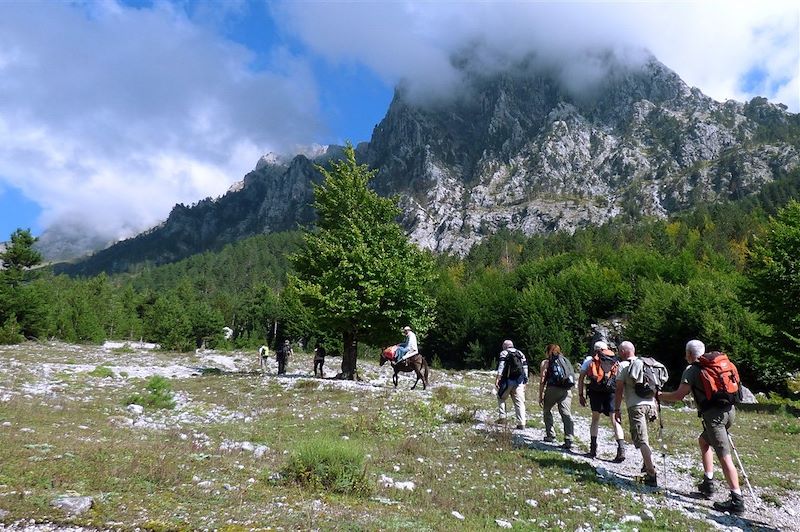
x: 242, y: 451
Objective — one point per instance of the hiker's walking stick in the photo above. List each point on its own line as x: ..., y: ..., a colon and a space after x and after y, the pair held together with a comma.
x: 744, y: 473
x: 663, y: 443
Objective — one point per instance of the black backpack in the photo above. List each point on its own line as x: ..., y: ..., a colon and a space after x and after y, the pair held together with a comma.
x: 514, y: 364
x: 560, y: 372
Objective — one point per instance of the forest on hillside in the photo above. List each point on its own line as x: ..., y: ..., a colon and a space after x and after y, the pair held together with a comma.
x: 724, y: 273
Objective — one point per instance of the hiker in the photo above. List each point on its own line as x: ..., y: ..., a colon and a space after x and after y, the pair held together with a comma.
x: 408, y: 347
x: 512, y: 376
x: 319, y: 359
x: 283, y: 355
x: 717, y: 412
x: 263, y: 358
x: 555, y: 388
x: 641, y: 410
x: 601, y: 370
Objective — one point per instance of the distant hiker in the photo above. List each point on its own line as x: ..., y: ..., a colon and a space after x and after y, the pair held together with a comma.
x: 512, y: 376
x: 283, y: 355
x: 557, y: 378
x: 408, y: 347
x: 263, y: 358
x: 714, y: 383
x: 319, y: 359
x: 599, y: 372
x: 641, y: 410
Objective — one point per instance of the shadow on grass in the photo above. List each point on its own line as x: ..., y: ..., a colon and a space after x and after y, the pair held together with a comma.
x: 581, y: 471
x: 726, y: 520
x: 548, y: 456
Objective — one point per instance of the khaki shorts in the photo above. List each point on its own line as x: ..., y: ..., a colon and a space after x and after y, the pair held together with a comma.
x: 638, y: 417
x: 716, y: 423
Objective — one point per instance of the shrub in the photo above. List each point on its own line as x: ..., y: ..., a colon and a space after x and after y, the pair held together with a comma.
x: 10, y: 332
x: 159, y: 394
x: 335, y: 465
x: 123, y: 349
x: 101, y: 372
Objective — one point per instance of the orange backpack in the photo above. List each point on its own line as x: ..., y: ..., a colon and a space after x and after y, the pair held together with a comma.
x: 603, y: 371
x: 720, y: 380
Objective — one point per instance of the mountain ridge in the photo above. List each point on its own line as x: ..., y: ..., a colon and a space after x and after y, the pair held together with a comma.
x: 514, y: 150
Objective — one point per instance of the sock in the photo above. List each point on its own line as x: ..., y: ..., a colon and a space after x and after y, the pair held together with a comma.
x: 737, y: 492
x: 710, y: 476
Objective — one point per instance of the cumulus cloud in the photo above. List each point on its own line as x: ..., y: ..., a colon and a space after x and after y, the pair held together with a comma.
x: 109, y: 115
x: 717, y: 46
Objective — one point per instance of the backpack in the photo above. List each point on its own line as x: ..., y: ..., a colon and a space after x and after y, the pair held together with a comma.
x: 602, y: 373
x: 560, y: 372
x: 654, y: 376
x: 285, y: 350
x: 720, y: 380
x: 514, y: 365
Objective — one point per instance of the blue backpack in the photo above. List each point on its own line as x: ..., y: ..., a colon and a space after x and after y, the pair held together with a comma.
x: 560, y: 372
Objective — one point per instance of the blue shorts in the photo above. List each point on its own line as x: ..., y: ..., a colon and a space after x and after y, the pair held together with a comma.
x: 601, y: 402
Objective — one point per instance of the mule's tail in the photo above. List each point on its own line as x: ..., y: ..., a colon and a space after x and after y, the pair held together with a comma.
x: 425, y: 369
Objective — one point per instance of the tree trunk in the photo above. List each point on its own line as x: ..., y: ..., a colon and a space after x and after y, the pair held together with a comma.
x: 349, y: 356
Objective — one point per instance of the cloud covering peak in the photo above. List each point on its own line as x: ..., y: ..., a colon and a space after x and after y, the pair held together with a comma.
x: 111, y: 114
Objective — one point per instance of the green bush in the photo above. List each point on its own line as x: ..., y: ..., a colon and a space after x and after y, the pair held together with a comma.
x: 335, y: 465
x: 101, y: 372
x: 10, y: 332
x: 123, y: 349
x: 158, y: 394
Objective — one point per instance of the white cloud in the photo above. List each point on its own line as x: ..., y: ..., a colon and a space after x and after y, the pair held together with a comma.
x: 711, y: 44
x: 111, y: 115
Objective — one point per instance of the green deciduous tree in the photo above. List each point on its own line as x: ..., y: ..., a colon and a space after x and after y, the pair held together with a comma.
x: 774, y: 273
x: 357, y: 272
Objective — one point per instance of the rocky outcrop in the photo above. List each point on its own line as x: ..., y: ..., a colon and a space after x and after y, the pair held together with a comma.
x: 518, y: 151
x: 514, y: 150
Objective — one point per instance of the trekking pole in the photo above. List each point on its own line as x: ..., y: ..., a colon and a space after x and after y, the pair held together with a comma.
x: 663, y: 444
x: 744, y: 473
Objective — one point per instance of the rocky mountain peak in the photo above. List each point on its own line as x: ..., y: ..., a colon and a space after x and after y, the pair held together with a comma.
x: 528, y: 147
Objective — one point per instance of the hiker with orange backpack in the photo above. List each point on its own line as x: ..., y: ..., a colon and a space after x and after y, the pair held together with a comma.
x: 714, y: 382
x: 599, y: 372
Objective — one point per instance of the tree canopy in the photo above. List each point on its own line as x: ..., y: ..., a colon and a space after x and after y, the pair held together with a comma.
x: 357, y: 271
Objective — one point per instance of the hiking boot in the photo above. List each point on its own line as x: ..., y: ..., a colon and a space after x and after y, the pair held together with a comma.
x: 734, y: 505
x: 549, y: 439
x: 592, y: 449
x: 520, y: 427
x: 567, y: 446
x: 620, y: 452
x: 706, y: 488
x: 650, y: 480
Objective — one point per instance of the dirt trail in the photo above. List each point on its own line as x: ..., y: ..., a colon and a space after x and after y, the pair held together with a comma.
x: 675, y: 483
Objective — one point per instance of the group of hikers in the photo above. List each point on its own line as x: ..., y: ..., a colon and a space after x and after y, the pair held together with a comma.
x: 608, y: 379
x: 283, y: 353
x: 404, y: 350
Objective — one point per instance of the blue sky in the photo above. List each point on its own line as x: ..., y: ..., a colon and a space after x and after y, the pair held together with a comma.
x: 111, y: 112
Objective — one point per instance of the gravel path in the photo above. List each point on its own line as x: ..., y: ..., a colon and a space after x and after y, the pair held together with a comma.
x: 677, y: 483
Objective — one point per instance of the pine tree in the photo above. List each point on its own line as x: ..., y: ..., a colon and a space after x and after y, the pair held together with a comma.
x: 19, y: 298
